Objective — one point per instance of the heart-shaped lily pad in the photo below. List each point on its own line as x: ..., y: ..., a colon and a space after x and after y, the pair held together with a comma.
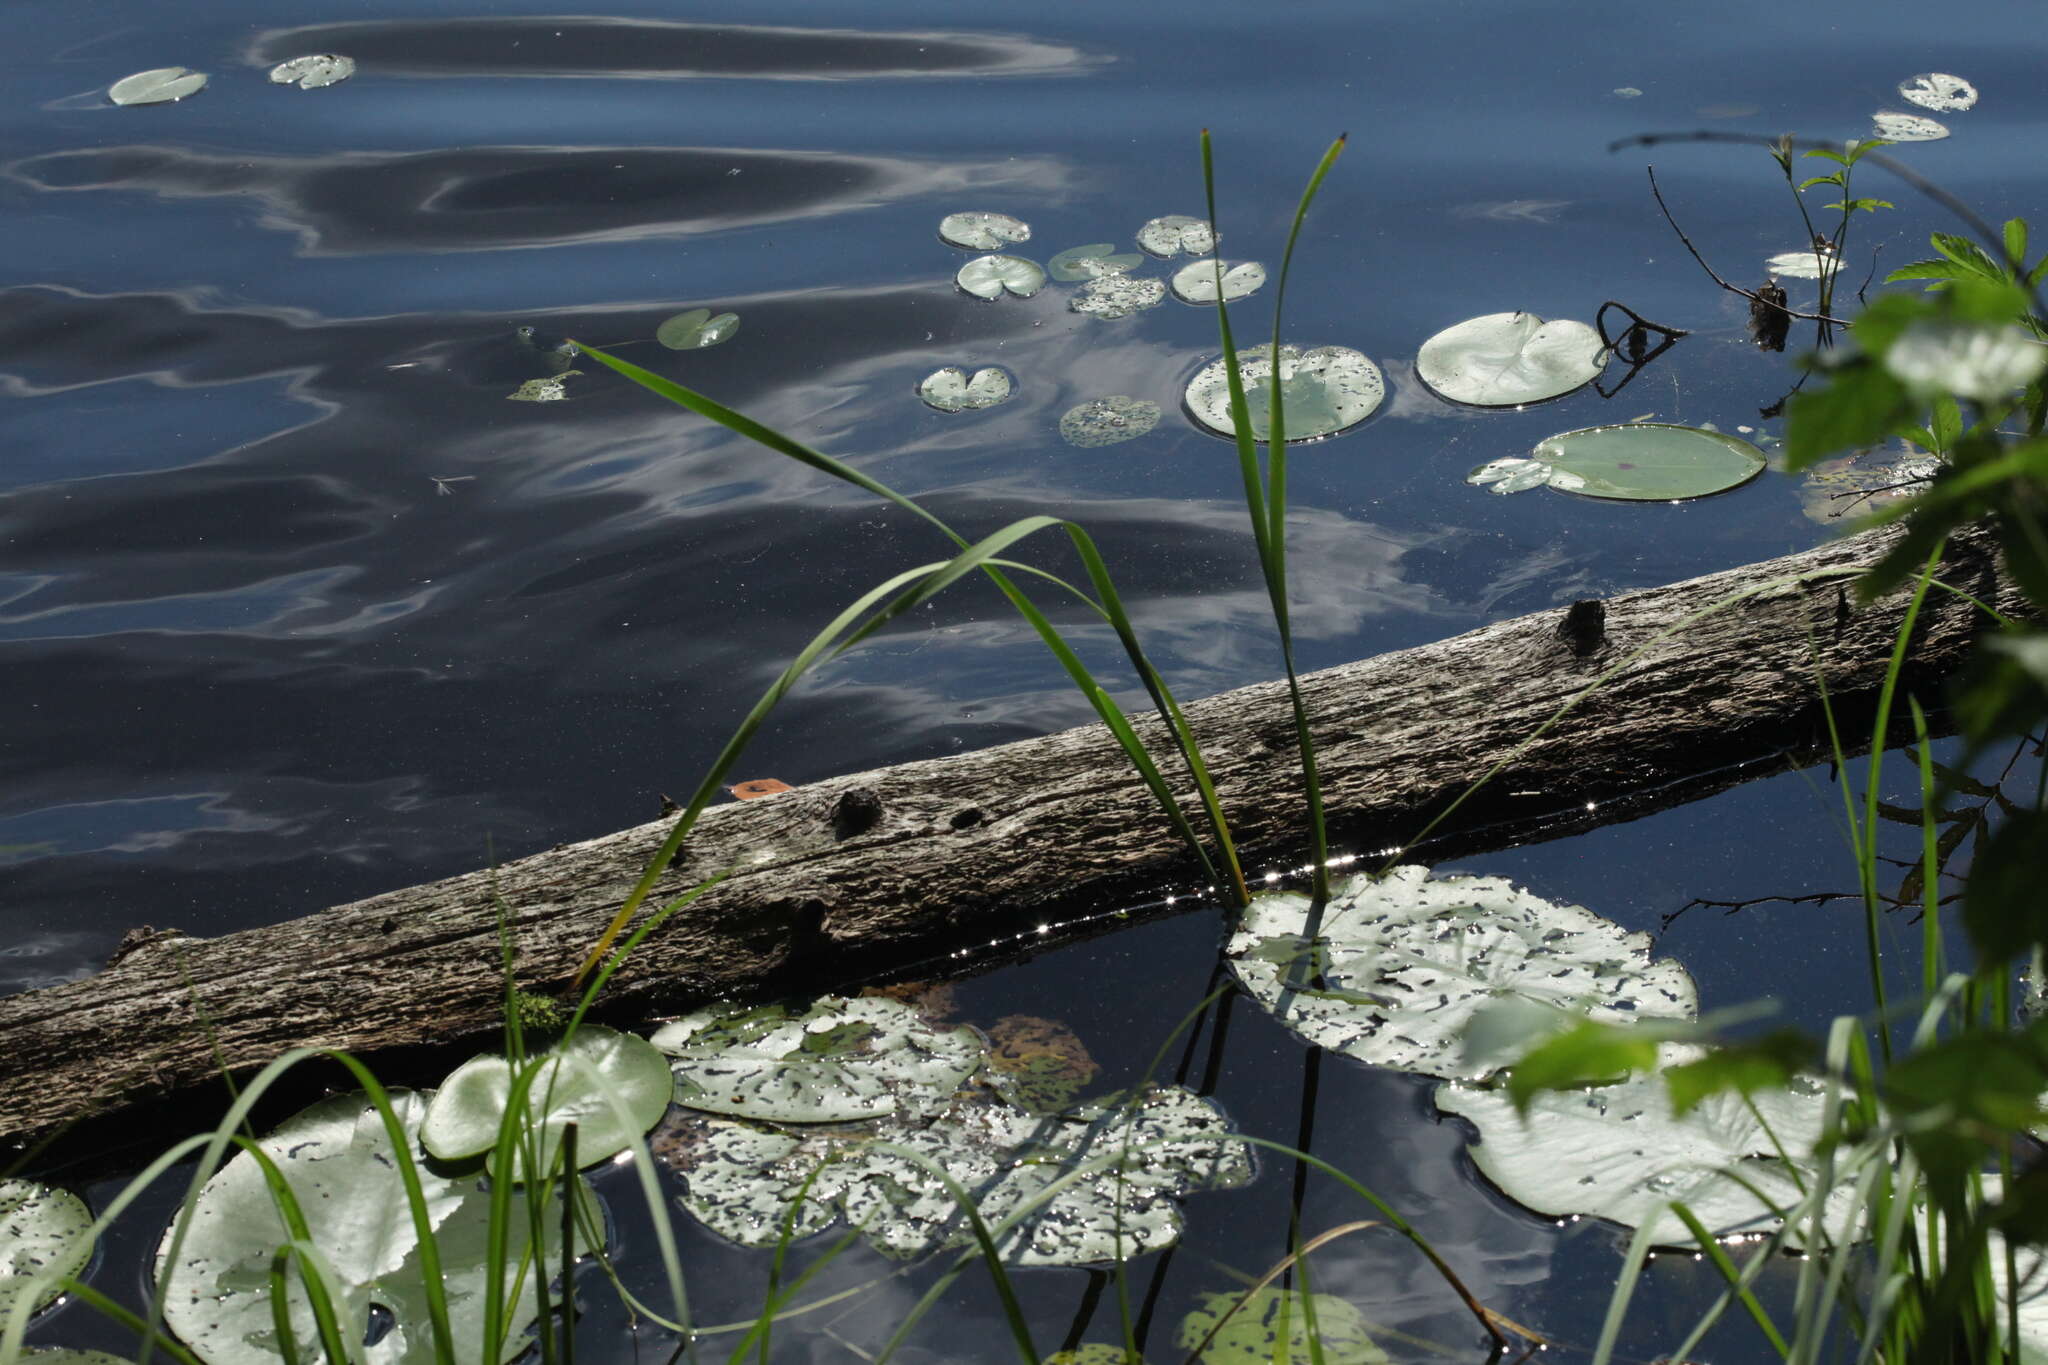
x: 1091, y: 262
x: 1939, y: 91
x: 314, y: 71
x: 696, y: 329
x: 1634, y: 461
x: 1323, y: 390
x: 1507, y: 359
x: 42, y: 1230
x: 951, y: 390
x: 1174, y: 234
x: 1117, y: 296
x: 1271, y: 1327
x: 990, y: 277
x: 160, y: 86
x: 1195, y: 282
x: 1107, y: 421
x: 982, y: 231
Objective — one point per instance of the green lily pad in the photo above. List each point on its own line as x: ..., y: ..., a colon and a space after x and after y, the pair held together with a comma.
x: 1108, y: 421
x: 1117, y: 296
x: 551, y: 389
x: 951, y: 390
x: 1174, y: 234
x: 1091, y: 262
x: 338, y: 1161
x: 838, y: 1060
x: 42, y: 1230
x: 990, y: 277
x: 1195, y: 282
x: 982, y: 231
x: 1505, y: 360
x: 314, y: 71
x: 696, y: 329
x: 1405, y: 961
x: 1272, y: 1329
x: 571, y: 1087
x: 160, y: 86
x: 1094, y: 1353
x: 1634, y: 461
x: 1939, y: 91
x: 1324, y: 390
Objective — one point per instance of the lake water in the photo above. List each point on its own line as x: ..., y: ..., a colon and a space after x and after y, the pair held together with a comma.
x: 295, y: 607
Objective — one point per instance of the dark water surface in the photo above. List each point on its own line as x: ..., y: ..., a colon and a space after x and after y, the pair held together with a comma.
x: 295, y: 607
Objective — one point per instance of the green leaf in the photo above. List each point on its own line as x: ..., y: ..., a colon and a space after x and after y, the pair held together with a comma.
x: 1647, y: 462
x: 1822, y: 153
x: 1968, y: 255
x: 571, y: 1083
x: 1948, y: 425
x: 1859, y: 406
x: 1923, y: 270
x: 1835, y: 179
x: 1272, y: 1328
x: 1959, y: 1100
x: 2003, y: 907
x: 1591, y: 1053
x: 696, y: 329
x: 2016, y: 243
x: 1743, y: 1068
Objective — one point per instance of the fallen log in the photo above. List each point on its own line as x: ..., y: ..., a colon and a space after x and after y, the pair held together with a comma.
x: 862, y: 873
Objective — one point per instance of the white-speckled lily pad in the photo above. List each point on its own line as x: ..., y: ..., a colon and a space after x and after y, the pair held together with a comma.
x: 160, y: 86
x: 1272, y: 1328
x: 1895, y: 127
x: 1504, y: 360
x: 990, y: 277
x: 1324, y: 390
x: 982, y: 231
x: 951, y: 390
x: 1195, y: 282
x: 1175, y: 234
x: 1091, y: 262
x: 42, y: 1230
x: 552, y: 389
x: 1107, y: 421
x: 1117, y: 296
x: 314, y: 71
x: 1806, y: 264
x: 571, y: 1086
x: 1939, y: 91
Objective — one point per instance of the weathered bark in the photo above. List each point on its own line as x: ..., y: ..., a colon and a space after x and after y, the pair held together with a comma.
x: 858, y: 873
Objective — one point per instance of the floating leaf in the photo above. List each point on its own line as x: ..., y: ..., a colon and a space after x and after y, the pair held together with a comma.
x: 696, y: 329
x: 1628, y: 92
x: 1803, y: 265
x: 337, y: 1159
x: 741, y: 1178
x: 73, y: 1355
x: 1038, y: 1064
x: 836, y: 1061
x: 1634, y: 461
x: 1091, y: 262
x: 161, y: 86
x: 982, y: 231
x: 1616, y: 1151
x: 1176, y: 233
x: 552, y: 389
x: 1862, y: 483
x: 1094, y: 1353
x: 1195, y: 282
x: 1117, y: 296
x: 1324, y: 390
x: 990, y: 277
x: 1907, y: 127
x: 1940, y: 91
x: 1403, y: 962
x: 575, y: 1077
x: 42, y: 1229
x: 1107, y: 421
x: 1936, y: 356
x: 758, y: 787
x: 1508, y: 359
x: 1272, y: 1328
x: 313, y: 72
x: 950, y: 389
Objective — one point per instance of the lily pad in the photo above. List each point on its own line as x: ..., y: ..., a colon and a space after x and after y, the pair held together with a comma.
x: 1117, y: 296
x: 1272, y: 1329
x: 574, y: 1080
x: 1936, y: 356
x: 1634, y: 461
x: 1939, y: 91
x: 1174, y: 234
x: 990, y: 277
x: 73, y: 1355
x: 1195, y: 282
x: 741, y: 1178
x: 1850, y: 486
x: 696, y: 329
x: 982, y: 231
x: 160, y: 86
x: 1038, y: 1064
x: 314, y: 71
x: 552, y: 389
x: 1323, y: 390
x: 1403, y: 962
x: 42, y: 1229
x: 1507, y: 359
x: 337, y: 1158
x: 1108, y: 421
x: 1893, y: 127
x: 1803, y: 265
x: 951, y: 390
x: 1617, y: 1151
x: 1091, y: 262
x: 835, y: 1061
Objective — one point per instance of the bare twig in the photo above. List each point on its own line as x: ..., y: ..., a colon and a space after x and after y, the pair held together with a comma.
x: 1754, y: 298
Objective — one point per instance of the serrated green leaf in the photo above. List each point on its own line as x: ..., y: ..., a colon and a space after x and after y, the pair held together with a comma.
x: 1743, y: 1068
x: 1858, y: 407
x: 1834, y: 179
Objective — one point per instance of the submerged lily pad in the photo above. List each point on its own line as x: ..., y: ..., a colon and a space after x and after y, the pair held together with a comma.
x: 1174, y: 234
x: 1117, y: 296
x: 1038, y: 1064
x: 1091, y: 262
x: 1894, y: 127
x: 950, y: 389
x: 1507, y: 359
x: 42, y: 1229
x: 160, y: 86
x: 314, y: 71
x: 1618, y: 1152
x: 1271, y: 1328
x: 1107, y: 421
x: 1403, y: 962
x: 1865, y: 482
x: 696, y: 329
x: 1939, y: 91
x: 982, y: 231
x: 1323, y: 390
x: 741, y: 1178
x: 337, y: 1158
x: 1195, y: 282
x: 571, y: 1087
x: 1803, y: 265
x: 990, y: 277
x: 552, y: 389
x: 1633, y: 461
x: 838, y: 1060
